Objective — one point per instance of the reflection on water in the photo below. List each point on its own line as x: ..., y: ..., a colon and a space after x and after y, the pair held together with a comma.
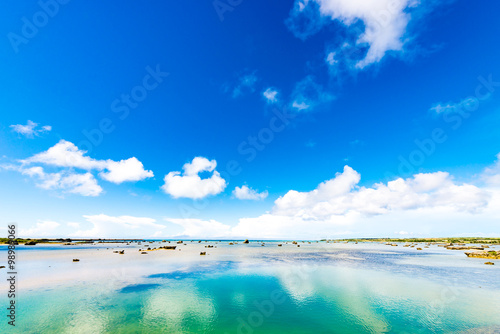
x: 348, y: 291
x: 138, y: 287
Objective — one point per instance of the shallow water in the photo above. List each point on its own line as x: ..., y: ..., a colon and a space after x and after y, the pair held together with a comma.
x: 317, y: 288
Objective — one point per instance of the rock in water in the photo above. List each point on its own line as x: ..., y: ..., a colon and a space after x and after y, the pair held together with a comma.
x: 246, y: 241
x: 76, y: 260
x: 203, y: 253
x: 489, y: 263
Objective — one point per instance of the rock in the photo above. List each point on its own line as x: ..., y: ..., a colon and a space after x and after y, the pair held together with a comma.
x: 231, y: 243
x: 484, y: 254
x: 179, y: 242
x: 464, y: 247
x: 246, y: 241
x: 121, y: 252
x: 76, y: 260
x: 294, y: 242
x: 30, y: 243
x: 298, y: 245
x: 419, y: 248
x: 279, y: 245
x: 489, y: 263
x: 203, y: 253
x: 144, y: 252
x: 1, y: 267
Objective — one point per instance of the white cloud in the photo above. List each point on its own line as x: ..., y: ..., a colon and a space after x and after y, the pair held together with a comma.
x: 125, y: 170
x: 341, y: 195
x: 248, y: 193
x: 30, y: 129
x: 384, y: 22
x: 300, y: 106
x: 271, y: 95
x: 41, y: 229
x: 330, y: 58
x: 197, y: 228
x: 104, y: 226
x: 66, y: 156
x: 82, y: 184
x: 431, y: 202
x: 66, y: 181
x: 190, y: 185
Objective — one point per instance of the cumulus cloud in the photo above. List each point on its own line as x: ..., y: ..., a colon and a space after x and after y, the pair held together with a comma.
x: 104, y: 226
x: 245, y: 192
x: 377, y: 26
x: 189, y: 184
x: 341, y: 195
x: 125, y: 170
x: 66, y: 157
x: 425, y: 202
x: 31, y: 129
x: 66, y: 154
x: 69, y: 182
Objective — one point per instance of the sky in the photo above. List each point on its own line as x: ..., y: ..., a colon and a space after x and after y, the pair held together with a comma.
x: 298, y: 119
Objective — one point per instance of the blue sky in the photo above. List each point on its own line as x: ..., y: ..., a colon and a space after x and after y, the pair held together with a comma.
x: 273, y: 99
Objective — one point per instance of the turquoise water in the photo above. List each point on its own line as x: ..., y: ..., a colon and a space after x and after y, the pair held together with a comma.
x: 358, y: 289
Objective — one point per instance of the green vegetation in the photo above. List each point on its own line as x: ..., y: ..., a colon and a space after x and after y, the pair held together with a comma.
x: 38, y: 241
x: 469, y: 240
